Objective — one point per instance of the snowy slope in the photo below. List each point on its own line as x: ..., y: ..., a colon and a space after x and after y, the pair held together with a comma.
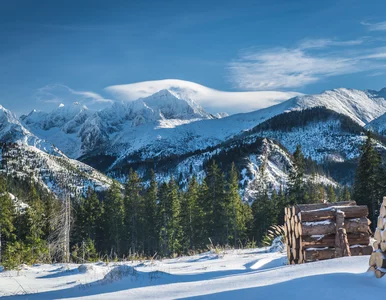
x: 51, y: 171
x: 262, y: 163
x: 238, y: 274
x: 378, y: 125
x: 12, y: 131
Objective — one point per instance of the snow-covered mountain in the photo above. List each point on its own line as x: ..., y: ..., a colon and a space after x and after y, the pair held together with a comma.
x: 77, y: 131
x: 165, y: 127
x: 23, y: 155
x: 378, y: 125
x: 165, y: 124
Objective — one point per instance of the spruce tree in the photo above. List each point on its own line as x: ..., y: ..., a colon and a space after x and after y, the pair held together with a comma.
x: 331, y: 194
x: 217, y: 213
x: 134, y: 212
x: 368, y: 187
x: 7, y: 212
x: 150, y: 220
x: 113, y: 218
x: 296, y: 178
x: 237, y: 221
x: 189, y: 214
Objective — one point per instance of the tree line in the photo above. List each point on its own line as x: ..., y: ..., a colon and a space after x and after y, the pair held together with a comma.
x: 146, y: 218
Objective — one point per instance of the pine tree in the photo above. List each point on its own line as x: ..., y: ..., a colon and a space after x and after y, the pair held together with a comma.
x: 282, y: 203
x: 296, y: 178
x: 113, y: 218
x: 344, y: 194
x: 6, y: 220
x: 169, y: 219
x: 88, y: 214
x: 162, y: 219
x: 189, y: 215
x: 216, y: 212
x: 331, y: 194
x: 235, y: 211
x: 150, y: 222
x: 175, y: 228
x: 264, y: 212
x: 134, y: 212
x: 35, y: 238
x: 368, y: 187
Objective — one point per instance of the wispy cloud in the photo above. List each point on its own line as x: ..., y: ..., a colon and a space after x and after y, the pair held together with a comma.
x: 282, y: 68
x: 379, y: 26
x: 59, y: 93
x: 323, y: 43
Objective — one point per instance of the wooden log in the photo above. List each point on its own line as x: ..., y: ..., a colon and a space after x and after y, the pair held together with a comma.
x: 377, y: 235
x: 380, y: 223
x: 301, y: 256
x: 295, y: 253
x: 328, y: 227
x: 306, y: 207
x: 319, y: 254
x: 357, y: 225
x: 373, y: 259
x: 289, y: 255
x: 318, y: 228
x: 379, y: 273
x: 383, y: 235
x: 382, y: 246
x: 329, y: 240
x: 293, y: 223
x: 382, y: 211
x: 361, y: 250
x: 380, y: 260
x: 329, y: 213
x: 295, y: 242
x: 376, y: 245
x: 341, y: 242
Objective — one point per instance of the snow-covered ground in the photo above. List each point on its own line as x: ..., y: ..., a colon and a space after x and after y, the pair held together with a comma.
x: 237, y: 274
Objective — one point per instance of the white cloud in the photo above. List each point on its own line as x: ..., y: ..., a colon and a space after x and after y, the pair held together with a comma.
x: 283, y: 68
x: 380, y: 26
x: 211, y: 99
x: 59, y: 93
x: 322, y: 43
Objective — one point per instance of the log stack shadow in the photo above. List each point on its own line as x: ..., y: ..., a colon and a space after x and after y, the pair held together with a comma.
x: 326, y: 230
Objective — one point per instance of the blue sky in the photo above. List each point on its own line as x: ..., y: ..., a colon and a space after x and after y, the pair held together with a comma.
x: 303, y: 46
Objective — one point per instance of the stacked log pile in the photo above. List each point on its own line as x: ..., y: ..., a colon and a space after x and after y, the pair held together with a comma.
x: 378, y: 257
x: 326, y: 230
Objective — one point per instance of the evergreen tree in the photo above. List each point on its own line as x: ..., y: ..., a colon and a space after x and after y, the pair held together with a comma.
x: 134, y: 212
x: 6, y: 221
x: 216, y: 210
x: 35, y: 242
x: 368, y: 187
x: 189, y: 214
x: 282, y: 203
x: 237, y: 221
x: 150, y: 221
x: 113, y: 218
x: 169, y: 219
x: 88, y: 218
x: 331, y: 194
x: 296, y: 178
x: 344, y: 194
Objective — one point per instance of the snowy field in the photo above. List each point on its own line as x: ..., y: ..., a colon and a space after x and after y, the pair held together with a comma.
x: 238, y: 274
